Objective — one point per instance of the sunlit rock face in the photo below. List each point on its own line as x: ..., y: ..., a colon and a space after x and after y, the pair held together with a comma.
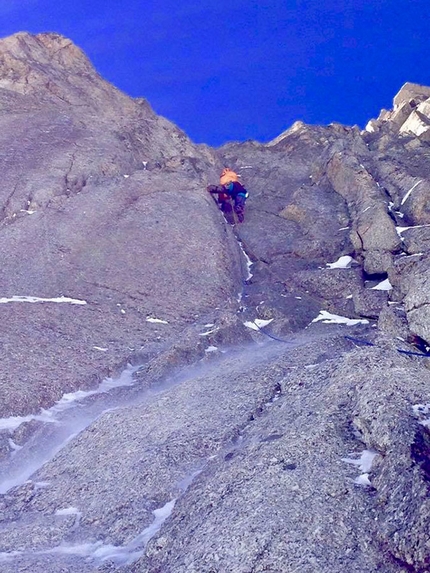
x: 101, y: 201
x: 272, y: 417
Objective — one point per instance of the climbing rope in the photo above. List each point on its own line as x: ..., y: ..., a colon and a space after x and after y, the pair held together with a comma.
x: 272, y: 336
x: 368, y: 343
x: 253, y: 258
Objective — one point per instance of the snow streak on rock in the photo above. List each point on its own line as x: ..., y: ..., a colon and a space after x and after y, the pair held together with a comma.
x: 32, y: 299
x: 248, y: 261
x: 156, y: 320
x: 384, y: 285
x: 257, y: 324
x: 329, y: 318
x: 401, y: 230
x: 342, y: 263
x: 405, y: 198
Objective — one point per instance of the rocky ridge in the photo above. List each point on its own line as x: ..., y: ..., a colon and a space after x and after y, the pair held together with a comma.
x: 221, y: 449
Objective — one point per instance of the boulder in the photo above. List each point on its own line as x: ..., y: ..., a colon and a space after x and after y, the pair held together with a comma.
x: 369, y: 303
x: 416, y: 204
x: 372, y: 229
x: 416, y: 286
x: 416, y: 240
x: 393, y: 322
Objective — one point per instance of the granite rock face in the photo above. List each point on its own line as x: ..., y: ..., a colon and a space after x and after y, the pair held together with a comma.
x: 245, y: 434
x: 93, y: 210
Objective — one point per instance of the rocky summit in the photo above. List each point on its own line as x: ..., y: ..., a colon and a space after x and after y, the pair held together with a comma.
x: 184, y: 394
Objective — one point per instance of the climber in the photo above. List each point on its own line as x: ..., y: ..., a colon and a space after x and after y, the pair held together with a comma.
x: 230, y: 188
x: 223, y: 199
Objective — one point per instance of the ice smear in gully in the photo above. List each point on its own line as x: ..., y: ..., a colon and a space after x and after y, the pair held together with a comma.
x: 60, y: 424
x: 69, y: 400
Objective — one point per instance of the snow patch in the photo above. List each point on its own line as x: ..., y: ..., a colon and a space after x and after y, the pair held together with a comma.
x: 329, y: 318
x: 384, y: 285
x: 207, y: 332
x: 156, y: 320
x: 248, y: 261
x: 343, y: 262
x: 32, y: 299
x: 370, y: 128
x: 400, y: 230
x: 363, y: 479
x: 364, y: 464
x: 258, y: 323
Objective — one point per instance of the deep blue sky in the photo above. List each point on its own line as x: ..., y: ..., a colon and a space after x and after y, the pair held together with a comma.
x: 244, y: 69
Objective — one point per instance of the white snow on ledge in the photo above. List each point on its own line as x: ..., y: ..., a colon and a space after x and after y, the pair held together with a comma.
x: 257, y: 324
x: 156, y: 320
x: 329, y: 318
x: 208, y: 332
x: 400, y: 230
x: 210, y: 349
x: 60, y: 299
x: 384, y: 285
x: 342, y: 263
